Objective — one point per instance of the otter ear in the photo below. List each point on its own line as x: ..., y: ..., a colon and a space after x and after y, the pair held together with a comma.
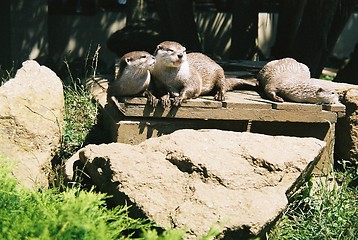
x: 320, y: 90
x: 123, y: 63
x: 157, y: 49
x: 128, y: 60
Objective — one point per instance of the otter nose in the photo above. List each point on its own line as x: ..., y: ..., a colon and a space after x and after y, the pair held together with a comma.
x: 180, y: 56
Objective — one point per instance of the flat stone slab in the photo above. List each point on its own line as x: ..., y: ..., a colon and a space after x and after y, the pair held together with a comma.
x: 239, y: 105
x: 196, y: 179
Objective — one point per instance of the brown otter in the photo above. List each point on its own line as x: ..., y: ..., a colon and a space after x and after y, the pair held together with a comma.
x: 132, y: 75
x: 288, y: 79
x: 184, y: 76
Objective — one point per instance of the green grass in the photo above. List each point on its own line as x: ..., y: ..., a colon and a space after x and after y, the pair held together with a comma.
x: 80, y: 109
x: 49, y: 214
x: 69, y: 214
x: 322, y: 210
x: 79, y: 118
x: 6, y: 74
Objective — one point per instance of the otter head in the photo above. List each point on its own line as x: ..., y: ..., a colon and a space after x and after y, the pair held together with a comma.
x: 136, y: 62
x: 138, y: 59
x: 170, y: 54
x: 329, y: 96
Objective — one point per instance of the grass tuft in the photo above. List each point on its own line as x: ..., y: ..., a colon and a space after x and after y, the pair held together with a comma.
x: 328, y: 211
x: 81, y: 110
x: 80, y: 117
x: 6, y: 74
x: 69, y: 214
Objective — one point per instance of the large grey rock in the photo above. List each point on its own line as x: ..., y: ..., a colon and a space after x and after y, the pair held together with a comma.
x: 195, y: 179
x: 347, y: 128
x: 346, y: 146
x: 31, y: 120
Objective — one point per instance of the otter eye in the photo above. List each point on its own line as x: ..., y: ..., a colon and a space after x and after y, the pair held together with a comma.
x: 170, y: 50
x: 143, y: 56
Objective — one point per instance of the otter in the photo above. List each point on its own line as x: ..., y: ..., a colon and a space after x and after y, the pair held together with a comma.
x: 291, y: 80
x: 132, y: 75
x: 184, y: 76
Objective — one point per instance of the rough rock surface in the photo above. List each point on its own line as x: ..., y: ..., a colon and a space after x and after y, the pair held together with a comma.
x: 195, y: 179
x: 31, y: 119
x: 346, y: 146
x: 347, y: 128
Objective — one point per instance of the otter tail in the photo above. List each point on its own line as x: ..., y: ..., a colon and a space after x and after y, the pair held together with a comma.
x: 240, y: 83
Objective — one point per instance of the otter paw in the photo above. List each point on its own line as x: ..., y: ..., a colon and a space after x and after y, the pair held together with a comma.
x: 278, y: 99
x: 220, y: 96
x: 165, y: 100
x: 177, y: 101
x: 273, y: 96
x: 153, y: 101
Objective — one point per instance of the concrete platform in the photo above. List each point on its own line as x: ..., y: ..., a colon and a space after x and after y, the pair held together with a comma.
x: 131, y: 120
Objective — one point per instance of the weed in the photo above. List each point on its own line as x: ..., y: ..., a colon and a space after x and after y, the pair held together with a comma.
x: 50, y: 214
x: 6, y: 74
x: 329, y: 211
x: 80, y: 117
x: 75, y: 72
x: 80, y: 109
